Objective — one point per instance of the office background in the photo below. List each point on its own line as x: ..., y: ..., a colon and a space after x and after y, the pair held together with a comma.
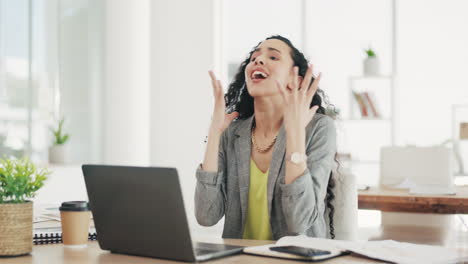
x: 130, y: 77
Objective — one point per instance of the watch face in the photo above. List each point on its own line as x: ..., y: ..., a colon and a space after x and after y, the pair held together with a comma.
x: 296, y: 157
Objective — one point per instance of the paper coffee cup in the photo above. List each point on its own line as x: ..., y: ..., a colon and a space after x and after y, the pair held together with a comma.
x: 75, y: 217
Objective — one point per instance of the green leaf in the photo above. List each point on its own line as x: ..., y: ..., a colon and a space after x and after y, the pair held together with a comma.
x: 370, y: 53
x: 20, y: 180
x: 59, y: 137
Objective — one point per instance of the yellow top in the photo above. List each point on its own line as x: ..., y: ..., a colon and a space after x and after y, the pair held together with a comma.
x: 257, y: 224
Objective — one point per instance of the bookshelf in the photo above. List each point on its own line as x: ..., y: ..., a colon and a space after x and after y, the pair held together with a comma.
x: 369, y: 124
x: 360, y: 137
x: 370, y: 98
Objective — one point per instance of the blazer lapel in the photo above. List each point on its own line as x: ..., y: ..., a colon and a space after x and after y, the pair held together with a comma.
x: 243, y: 152
x: 276, y: 163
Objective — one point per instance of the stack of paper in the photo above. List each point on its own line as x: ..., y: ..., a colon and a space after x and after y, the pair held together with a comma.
x: 387, y: 250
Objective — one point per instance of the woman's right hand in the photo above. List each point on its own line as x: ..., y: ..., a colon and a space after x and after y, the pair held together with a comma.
x: 221, y: 119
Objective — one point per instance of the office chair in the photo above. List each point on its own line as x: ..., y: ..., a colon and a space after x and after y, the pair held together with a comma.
x: 345, y: 204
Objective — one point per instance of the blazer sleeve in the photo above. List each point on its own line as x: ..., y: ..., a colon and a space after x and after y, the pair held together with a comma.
x: 302, y: 198
x: 210, y: 191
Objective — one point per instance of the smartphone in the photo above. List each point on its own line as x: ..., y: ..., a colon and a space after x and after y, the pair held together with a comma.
x: 301, y: 251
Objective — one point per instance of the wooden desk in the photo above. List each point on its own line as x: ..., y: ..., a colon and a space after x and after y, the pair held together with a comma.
x: 397, y: 200
x: 441, y: 236
x: 56, y: 253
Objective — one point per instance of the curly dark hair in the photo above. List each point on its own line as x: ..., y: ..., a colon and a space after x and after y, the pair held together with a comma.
x: 238, y: 99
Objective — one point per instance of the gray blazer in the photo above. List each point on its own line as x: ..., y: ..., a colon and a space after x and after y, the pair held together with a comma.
x: 296, y: 208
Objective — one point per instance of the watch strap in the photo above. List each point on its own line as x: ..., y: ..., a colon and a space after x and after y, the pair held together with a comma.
x: 296, y: 157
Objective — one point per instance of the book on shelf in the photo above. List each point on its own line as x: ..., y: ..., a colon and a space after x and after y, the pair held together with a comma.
x: 361, y: 105
x: 367, y: 104
x: 370, y: 99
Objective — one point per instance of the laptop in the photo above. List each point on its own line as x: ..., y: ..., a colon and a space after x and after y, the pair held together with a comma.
x: 140, y: 211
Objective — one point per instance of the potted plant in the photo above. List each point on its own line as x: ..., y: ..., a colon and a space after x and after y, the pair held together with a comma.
x: 58, y: 152
x: 19, y: 181
x: 371, y: 63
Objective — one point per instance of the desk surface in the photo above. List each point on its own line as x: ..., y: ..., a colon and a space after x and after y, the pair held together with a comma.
x: 450, y: 237
x: 398, y: 200
x: 56, y: 253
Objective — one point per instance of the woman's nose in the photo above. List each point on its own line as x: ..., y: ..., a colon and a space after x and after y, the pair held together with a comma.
x: 259, y: 60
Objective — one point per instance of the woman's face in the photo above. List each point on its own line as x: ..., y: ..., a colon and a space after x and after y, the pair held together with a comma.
x: 271, y: 61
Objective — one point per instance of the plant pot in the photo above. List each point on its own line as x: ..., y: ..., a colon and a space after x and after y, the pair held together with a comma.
x: 371, y: 66
x: 58, y: 154
x: 16, y: 234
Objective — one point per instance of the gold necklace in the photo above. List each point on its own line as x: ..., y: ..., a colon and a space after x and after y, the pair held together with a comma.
x: 257, y: 148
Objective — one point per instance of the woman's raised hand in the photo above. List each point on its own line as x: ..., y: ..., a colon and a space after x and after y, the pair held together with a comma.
x: 221, y: 119
x: 297, y: 98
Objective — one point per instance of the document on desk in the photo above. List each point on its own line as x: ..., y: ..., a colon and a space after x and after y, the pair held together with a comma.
x: 46, y: 212
x: 386, y: 250
x: 315, y: 243
x: 405, y: 253
x: 430, y: 189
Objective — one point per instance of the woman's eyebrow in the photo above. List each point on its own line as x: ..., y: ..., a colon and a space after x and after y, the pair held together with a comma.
x: 273, y: 49
x: 269, y: 48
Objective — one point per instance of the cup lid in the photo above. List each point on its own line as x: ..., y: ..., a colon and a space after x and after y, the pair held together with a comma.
x: 74, y: 206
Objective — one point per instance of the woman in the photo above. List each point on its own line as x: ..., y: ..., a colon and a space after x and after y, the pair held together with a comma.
x: 267, y: 172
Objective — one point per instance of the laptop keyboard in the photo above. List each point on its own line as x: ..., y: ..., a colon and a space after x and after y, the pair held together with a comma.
x: 209, y: 248
x: 202, y: 251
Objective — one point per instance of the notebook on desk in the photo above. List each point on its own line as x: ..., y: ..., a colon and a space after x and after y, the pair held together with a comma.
x: 53, y: 235
x: 386, y: 250
x: 300, y: 241
x: 140, y: 211
x: 47, y: 227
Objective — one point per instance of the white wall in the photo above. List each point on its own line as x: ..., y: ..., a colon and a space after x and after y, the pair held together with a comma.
x: 432, y: 67
x: 126, y: 81
x: 337, y: 33
x: 104, y: 82
x: 96, y: 78
x: 431, y: 62
x: 431, y: 57
x: 74, y: 84
x: 246, y: 23
x: 81, y: 59
x: 182, y: 51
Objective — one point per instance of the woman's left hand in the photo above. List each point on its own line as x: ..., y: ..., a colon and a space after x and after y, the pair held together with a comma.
x: 297, y: 98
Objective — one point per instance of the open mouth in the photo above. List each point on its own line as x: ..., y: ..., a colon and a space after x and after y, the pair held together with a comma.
x: 259, y: 75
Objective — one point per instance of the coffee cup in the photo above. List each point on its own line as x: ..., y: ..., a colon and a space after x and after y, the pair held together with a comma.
x: 75, y: 217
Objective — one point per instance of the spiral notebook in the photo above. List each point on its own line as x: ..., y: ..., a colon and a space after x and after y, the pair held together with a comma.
x: 53, y: 235
x: 47, y: 228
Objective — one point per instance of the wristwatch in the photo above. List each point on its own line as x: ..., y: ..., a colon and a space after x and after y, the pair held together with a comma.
x: 296, y: 157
